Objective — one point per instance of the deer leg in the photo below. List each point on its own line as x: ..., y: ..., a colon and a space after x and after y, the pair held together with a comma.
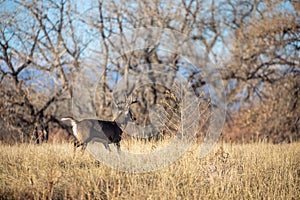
x: 83, y: 147
x: 74, y: 148
x: 77, y: 144
x: 106, y: 146
x: 118, y: 147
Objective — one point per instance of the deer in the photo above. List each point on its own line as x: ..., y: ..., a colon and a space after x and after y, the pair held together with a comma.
x: 105, y: 132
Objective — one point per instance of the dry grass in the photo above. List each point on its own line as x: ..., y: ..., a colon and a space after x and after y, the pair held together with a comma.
x: 253, y: 171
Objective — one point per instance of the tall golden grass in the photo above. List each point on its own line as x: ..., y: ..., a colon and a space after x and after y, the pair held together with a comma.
x: 230, y: 171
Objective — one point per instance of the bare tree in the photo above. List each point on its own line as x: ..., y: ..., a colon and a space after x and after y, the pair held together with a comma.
x: 39, y: 53
x: 46, y: 47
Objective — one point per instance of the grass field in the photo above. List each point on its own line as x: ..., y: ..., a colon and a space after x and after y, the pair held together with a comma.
x: 249, y: 171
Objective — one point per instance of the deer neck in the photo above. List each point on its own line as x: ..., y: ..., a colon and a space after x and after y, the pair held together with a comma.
x: 122, y: 120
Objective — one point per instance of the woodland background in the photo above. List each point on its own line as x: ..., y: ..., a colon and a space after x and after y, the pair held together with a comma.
x: 45, y: 44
